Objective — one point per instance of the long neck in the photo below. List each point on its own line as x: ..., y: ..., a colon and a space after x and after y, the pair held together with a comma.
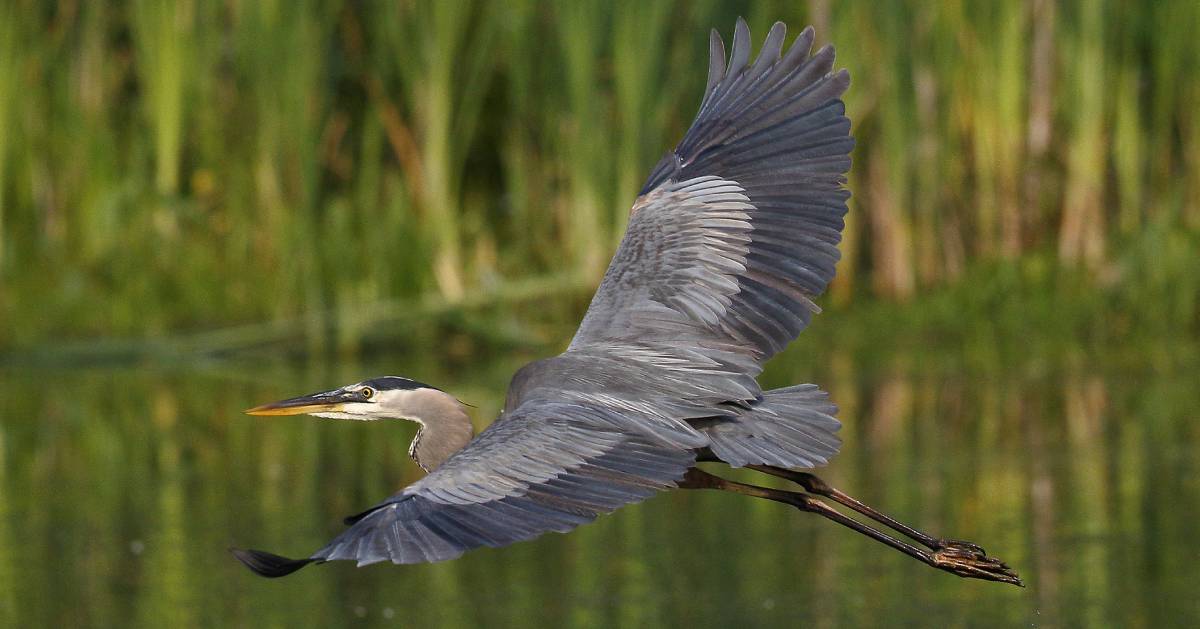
x: 444, y: 429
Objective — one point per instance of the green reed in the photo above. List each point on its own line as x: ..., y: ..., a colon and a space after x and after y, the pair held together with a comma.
x: 171, y: 166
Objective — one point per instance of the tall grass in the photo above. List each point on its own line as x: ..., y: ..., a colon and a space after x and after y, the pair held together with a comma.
x: 8, y: 70
x: 177, y: 165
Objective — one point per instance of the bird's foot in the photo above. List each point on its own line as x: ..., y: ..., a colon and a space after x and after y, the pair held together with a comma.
x: 966, y: 559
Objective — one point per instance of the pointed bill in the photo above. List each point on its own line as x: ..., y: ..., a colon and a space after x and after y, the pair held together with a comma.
x: 303, y: 405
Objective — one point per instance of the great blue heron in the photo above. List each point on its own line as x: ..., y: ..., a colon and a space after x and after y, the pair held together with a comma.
x: 733, y: 235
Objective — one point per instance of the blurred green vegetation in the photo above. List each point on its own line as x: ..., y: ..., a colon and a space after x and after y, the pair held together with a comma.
x: 178, y: 166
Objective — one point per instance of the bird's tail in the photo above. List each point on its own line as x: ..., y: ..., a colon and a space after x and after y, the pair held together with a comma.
x: 792, y: 427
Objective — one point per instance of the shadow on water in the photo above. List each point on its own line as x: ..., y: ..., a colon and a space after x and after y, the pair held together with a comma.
x: 121, y: 489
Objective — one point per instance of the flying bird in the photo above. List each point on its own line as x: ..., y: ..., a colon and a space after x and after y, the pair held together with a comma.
x: 733, y: 236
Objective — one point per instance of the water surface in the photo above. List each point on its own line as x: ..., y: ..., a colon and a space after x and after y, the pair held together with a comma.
x: 120, y: 490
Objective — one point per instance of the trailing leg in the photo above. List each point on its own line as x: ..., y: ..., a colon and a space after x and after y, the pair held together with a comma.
x: 951, y: 559
x: 814, y: 485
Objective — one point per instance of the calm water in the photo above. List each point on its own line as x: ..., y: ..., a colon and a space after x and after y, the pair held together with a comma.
x: 121, y: 489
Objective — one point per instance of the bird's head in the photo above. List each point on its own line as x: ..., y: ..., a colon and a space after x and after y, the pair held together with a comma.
x: 389, y: 397
x: 445, y: 426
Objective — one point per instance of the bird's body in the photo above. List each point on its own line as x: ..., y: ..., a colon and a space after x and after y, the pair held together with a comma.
x: 729, y: 242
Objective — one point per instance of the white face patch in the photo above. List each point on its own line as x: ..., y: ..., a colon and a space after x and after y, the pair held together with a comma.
x: 392, y: 404
x: 362, y: 411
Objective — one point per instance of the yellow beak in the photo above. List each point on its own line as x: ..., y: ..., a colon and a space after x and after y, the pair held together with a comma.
x: 302, y: 405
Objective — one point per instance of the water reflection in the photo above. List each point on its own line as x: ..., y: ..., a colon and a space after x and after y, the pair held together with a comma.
x: 121, y: 489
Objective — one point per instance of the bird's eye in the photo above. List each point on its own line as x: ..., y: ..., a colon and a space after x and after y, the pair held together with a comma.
x: 366, y: 392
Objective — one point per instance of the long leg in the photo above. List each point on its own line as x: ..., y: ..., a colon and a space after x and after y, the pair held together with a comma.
x: 953, y: 560
x: 814, y: 485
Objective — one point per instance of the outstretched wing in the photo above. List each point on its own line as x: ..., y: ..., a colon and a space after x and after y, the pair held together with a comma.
x: 547, y: 468
x: 736, y: 229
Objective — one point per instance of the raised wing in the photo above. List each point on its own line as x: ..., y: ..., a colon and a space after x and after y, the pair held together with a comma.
x: 736, y: 229
x: 547, y: 468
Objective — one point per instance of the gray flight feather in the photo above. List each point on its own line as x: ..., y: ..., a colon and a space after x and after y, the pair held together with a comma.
x: 551, y: 467
x: 736, y: 230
